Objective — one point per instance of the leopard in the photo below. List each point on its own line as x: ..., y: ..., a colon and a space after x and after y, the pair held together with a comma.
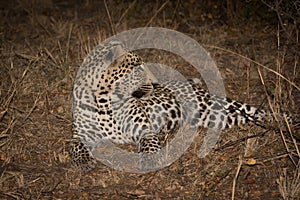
x: 116, y: 99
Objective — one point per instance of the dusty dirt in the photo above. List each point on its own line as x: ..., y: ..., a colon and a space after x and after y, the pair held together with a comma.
x: 43, y: 44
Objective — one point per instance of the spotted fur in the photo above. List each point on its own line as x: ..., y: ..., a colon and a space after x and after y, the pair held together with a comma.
x: 114, y: 99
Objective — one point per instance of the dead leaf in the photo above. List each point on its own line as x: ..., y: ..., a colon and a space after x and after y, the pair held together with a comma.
x: 251, y: 161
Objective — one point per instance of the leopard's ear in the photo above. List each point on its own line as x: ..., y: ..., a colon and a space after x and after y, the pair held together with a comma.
x: 144, y: 91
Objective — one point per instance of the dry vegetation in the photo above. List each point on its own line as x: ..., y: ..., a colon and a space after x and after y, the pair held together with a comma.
x: 42, y: 46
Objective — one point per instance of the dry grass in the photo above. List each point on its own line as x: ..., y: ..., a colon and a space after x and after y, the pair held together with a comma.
x: 42, y: 47
x: 289, y: 185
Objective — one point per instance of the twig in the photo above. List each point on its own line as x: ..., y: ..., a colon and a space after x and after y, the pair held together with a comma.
x: 152, y: 18
x: 240, y: 140
x: 68, y: 42
x: 109, y: 18
x: 255, y: 62
x: 155, y: 14
x: 275, y: 158
x: 125, y: 13
x: 290, y: 131
x: 236, y: 176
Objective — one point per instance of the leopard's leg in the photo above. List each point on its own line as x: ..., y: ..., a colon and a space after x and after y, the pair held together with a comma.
x: 149, y: 146
x: 149, y: 143
x: 81, y: 157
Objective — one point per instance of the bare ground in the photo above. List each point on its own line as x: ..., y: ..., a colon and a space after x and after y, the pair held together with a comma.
x: 43, y: 44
